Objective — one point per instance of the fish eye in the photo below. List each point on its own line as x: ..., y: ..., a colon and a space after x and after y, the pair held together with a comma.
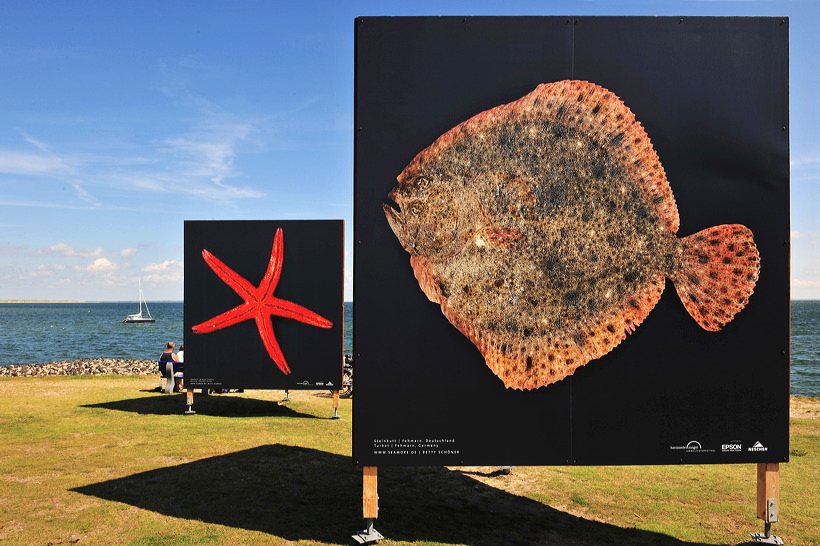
x: 416, y: 209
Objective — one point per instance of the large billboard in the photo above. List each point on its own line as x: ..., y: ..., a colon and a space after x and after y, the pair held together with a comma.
x: 572, y: 240
x: 263, y: 304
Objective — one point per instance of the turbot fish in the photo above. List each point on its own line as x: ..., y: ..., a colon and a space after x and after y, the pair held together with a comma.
x: 546, y: 229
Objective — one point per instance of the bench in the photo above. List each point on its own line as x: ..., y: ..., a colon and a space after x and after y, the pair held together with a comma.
x: 169, y: 374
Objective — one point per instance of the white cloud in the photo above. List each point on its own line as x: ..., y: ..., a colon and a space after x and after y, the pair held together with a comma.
x: 46, y: 271
x: 805, y: 169
x: 26, y: 163
x: 39, y: 144
x: 167, y: 271
x: 12, y: 250
x: 804, y: 161
x: 85, y: 196
x: 40, y: 273
x: 805, y: 234
x: 66, y: 250
x: 203, y: 158
x: 128, y: 252
x: 42, y: 205
x: 162, y: 266
x: 799, y: 282
x: 154, y: 182
x: 102, y: 265
x: 207, y: 155
x: 197, y: 163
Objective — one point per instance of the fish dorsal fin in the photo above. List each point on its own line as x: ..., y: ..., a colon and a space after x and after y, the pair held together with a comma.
x: 590, y: 109
x: 593, y: 110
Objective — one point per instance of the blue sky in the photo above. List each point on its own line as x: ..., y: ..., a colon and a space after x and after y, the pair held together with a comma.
x: 121, y: 120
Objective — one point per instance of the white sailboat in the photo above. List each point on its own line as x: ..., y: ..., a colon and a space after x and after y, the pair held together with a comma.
x: 139, y: 317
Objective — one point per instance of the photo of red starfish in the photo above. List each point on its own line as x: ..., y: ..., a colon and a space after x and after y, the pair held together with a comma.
x: 260, y: 303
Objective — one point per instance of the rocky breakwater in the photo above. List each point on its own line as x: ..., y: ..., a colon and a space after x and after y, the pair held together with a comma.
x: 91, y: 366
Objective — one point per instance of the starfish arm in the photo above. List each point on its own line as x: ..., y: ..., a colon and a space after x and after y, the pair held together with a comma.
x: 274, y: 271
x: 238, y: 314
x: 230, y: 277
x: 265, y: 326
x: 284, y: 308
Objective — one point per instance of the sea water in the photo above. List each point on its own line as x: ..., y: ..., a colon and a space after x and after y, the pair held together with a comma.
x: 36, y: 333
x: 46, y: 332
x: 805, y: 349
x: 33, y: 333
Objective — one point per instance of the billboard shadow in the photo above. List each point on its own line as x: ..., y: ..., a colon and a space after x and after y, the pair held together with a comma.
x: 304, y: 494
x: 217, y: 406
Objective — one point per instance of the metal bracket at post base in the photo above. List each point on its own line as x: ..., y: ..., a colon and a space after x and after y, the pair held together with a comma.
x: 771, y: 517
x: 766, y: 537
x: 369, y: 534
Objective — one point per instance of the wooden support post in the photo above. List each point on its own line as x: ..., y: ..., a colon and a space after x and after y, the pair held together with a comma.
x: 370, y: 507
x: 768, y: 498
x: 768, y: 490
x: 336, y: 405
x: 370, y: 495
x: 189, y: 401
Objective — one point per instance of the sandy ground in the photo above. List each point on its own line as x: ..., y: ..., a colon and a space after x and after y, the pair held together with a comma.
x: 804, y: 408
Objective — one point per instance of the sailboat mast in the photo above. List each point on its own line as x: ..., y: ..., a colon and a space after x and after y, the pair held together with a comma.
x: 142, y: 300
x: 138, y: 317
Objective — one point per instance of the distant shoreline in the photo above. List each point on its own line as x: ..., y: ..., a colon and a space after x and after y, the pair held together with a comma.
x: 47, y: 301
x: 82, y: 301
x: 85, y: 301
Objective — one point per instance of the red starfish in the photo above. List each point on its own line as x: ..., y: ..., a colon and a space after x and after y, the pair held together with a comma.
x: 260, y: 303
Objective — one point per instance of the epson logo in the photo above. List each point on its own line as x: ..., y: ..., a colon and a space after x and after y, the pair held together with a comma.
x: 731, y: 447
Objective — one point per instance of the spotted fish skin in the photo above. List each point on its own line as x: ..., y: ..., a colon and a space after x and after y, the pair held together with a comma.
x: 545, y: 229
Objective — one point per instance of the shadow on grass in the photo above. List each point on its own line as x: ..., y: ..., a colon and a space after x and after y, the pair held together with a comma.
x: 212, y: 405
x: 303, y: 494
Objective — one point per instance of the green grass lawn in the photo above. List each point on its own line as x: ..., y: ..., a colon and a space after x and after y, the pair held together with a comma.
x: 104, y: 460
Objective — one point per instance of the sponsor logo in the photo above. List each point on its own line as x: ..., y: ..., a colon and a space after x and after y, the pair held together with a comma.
x: 757, y: 446
x: 732, y: 447
x: 303, y: 383
x: 692, y: 447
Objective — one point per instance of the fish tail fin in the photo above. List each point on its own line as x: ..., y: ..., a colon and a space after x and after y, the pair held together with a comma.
x: 717, y: 274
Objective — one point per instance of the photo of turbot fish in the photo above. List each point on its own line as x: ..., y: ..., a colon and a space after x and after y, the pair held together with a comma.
x: 546, y: 229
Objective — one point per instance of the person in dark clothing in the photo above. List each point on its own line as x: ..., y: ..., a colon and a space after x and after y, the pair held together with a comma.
x: 168, y: 355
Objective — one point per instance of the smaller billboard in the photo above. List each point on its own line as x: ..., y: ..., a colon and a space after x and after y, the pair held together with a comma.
x: 263, y: 304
